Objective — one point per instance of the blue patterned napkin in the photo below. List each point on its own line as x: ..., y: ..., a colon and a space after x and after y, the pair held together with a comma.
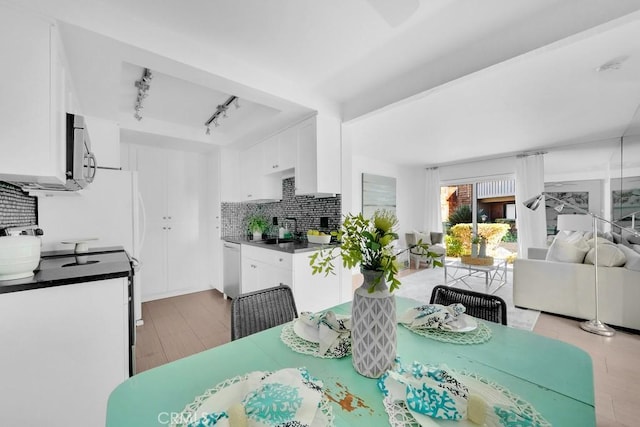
x: 334, y: 333
x: 288, y: 397
x: 431, y: 316
x: 435, y: 392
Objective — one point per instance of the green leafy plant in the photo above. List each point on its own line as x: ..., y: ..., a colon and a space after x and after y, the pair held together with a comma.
x: 455, y: 246
x: 257, y: 224
x: 368, y: 243
x: 463, y: 215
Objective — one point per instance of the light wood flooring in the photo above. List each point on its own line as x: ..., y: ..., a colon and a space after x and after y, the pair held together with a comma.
x: 180, y: 326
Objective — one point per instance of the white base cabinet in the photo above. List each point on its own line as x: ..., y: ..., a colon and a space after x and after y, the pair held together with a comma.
x: 315, y: 292
x: 64, y: 350
x: 263, y: 268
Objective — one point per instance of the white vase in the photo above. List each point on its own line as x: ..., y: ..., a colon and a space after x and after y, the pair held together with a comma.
x: 474, y: 250
x: 257, y: 235
x: 483, y: 250
x: 373, y: 327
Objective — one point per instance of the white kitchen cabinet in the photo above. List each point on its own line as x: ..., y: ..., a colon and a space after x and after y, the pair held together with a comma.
x: 318, y: 154
x: 64, y: 349
x: 32, y: 105
x: 263, y: 268
x: 174, y: 249
x: 315, y: 292
x: 256, y: 186
x: 279, y: 152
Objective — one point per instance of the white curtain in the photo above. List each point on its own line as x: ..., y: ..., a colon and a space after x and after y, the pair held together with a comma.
x: 529, y: 183
x: 432, y: 215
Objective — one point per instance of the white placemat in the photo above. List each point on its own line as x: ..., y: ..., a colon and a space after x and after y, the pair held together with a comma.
x: 299, y: 345
x: 479, y: 335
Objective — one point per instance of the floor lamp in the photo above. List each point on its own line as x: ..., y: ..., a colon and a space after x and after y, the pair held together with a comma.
x: 594, y: 326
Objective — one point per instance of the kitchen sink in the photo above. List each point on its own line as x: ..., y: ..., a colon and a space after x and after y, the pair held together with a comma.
x: 276, y: 240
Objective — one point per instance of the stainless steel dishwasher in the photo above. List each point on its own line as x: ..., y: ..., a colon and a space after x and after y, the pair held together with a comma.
x: 231, y: 269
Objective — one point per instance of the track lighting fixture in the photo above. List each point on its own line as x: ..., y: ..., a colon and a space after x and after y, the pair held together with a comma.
x: 221, y: 110
x: 143, y: 86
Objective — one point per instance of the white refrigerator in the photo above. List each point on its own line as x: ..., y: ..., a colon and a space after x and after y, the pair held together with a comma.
x: 109, y: 210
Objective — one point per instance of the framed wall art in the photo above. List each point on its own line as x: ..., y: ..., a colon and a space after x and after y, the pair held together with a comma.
x: 378, y: 192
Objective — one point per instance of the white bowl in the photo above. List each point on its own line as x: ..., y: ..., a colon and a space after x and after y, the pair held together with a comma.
x: 19, y: 256
x: 319, y: 239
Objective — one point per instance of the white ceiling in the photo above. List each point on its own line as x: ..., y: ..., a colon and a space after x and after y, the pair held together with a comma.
x: 438, y: 81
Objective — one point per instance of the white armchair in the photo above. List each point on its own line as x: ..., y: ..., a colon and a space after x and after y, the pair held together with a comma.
x: 418, y: 255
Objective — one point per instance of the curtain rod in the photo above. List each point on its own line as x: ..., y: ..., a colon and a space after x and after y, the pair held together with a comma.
x: 482, y: 159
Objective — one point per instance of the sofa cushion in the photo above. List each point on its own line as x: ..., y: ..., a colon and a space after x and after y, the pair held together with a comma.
x: 563, y: 251
x: 609, y: 255
x: 633, y: 257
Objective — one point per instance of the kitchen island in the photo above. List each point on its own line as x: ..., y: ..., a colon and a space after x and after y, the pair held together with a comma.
x: 264, y: 264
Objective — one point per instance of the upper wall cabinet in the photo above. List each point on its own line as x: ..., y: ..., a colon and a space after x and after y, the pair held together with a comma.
x: 280, y: 151
x: 32, y: 105
x: 318, y: 160
x: 311, y: 147
x: 255, y: 185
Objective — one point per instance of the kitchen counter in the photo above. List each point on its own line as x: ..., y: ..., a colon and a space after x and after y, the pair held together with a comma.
x: 58, y: 268
x: 292, y: 247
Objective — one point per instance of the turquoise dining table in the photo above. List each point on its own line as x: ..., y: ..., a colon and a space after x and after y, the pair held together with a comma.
x: 555, y: 377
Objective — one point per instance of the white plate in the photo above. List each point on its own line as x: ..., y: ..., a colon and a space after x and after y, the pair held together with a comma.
x: 311, y: 333
x: 463, y: 323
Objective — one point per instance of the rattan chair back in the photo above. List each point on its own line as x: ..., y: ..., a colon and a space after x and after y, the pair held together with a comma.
x: 483, y: 306
x: 256, y: 311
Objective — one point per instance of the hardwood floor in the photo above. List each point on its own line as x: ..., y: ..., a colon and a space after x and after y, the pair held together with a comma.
x: 179, y: 326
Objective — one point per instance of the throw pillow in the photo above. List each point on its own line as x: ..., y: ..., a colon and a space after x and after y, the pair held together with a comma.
x: 570, y: 236
x: 631, y: 238
x: 633, y: 257
x: 562, y: 251
x: 425, y: 237
x: 436, y: 237
x: 608, y: 256
x: 601, y: 241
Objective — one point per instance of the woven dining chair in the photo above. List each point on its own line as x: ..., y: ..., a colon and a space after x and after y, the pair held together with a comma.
x: 483, y: 306
x: 256, y: 311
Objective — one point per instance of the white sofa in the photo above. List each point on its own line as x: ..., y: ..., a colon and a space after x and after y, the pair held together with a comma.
x: 568, y: 289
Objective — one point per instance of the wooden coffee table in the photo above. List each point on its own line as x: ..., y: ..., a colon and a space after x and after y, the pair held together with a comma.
x: 495, y: 275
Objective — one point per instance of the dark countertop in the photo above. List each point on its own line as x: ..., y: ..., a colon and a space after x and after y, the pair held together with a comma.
x: 289, y: 247
x: 58, y: 268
